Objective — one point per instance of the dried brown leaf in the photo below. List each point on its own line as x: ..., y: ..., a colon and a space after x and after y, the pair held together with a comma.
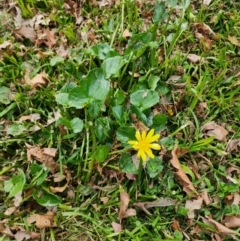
x: 32, y: 117
x: 176, y: 226
x: 96, y: 207
x: 106, y: 188
x: 18, y: 18
x: 6, y: 230
x: 103, y: 3
x: 206, y: 197
x: 234, y: 40
x: 174, y: 78
x: 205, y: 41
x: 47, y: 37
x: 192, y: 205
x: 58, y: 177
x: 104, y: 199
x: 220, y: 227
x: 205, y: 31
x: 131, y: 176
x: 116, y: 227
x: 41, y: 19
x: 26, y: 30
x: 10, y: 211
x: 31, y: 219
x: 193, y: 58
x: 139, y: 125
x: 236, y: 199
x: 39, y: 80
x: 126, y: 33
x: 45, y: 221
x: 180, y: 174
x: 58, y: 189
x: 62, y: 52
x: 162, y: 202
x: 71, y: 194
x: 5, y: 44
x: 17, y: 199
x: 207, y: 2
x: 57, y: 115
x: 35, y: 235
x: 233, y: 145
x: 37, y: 153
x: 21, y: 235
x: 213, y: 129
x: 50, y: 151
x: 232, y: 221
x: 124, y: 200
x: 130, y: 212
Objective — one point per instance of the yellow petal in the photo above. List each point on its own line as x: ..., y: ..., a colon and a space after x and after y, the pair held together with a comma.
x: 138, y: 136
x: 149, y: 152
x: 144, y: 134
x: 132, y: 142
x: 150, y: 134
x: 136, y: 147
x: 155, y: 146
x: 154, y: 138
x: 142, y: 154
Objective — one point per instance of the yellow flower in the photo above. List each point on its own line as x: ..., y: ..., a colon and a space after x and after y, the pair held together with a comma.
x: 144, y: 144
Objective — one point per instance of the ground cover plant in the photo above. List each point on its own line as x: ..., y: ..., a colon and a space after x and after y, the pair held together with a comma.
x: 119, y: 120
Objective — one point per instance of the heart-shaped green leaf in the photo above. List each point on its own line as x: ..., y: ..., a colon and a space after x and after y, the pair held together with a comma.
x: 144, y: 99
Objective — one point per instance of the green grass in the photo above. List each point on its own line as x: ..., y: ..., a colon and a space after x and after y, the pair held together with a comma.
x: 99, y: 88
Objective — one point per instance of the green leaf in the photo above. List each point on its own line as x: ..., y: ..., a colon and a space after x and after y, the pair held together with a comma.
x: 16, y: 129
x: 100, y: 50
x: 93, y: 87
x: 63, y: 96
x: 15, y: 184
x: 144, y: 99
x: 138, y: 44
x: 78, y: 97
x: 116, y: 97
x: 39, y: 173
x: 152, y: 81
x: 95, y: 107
x: 159, y: 122
x: 126, y: 133
x: 188, y: 171
x: 103, y: 128
x: 172, y: 3
x: 126, y: 164
x: 46, y: 199
x: 84, y: 190
x: 112, y: 66
x: 64, y: 121
x: 140, y: 115
x: 101, y: 153
x: 154, y: 167
x: 118, y: 112
x: 77, y: 125
x: 159, y: 13
x: 168, y: 142
x: 56, y: 60
x: 4, y: 95
x: 162, y: 88
x: 184, y: 4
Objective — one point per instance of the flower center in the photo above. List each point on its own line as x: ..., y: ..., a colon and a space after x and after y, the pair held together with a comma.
x: 143, y: 144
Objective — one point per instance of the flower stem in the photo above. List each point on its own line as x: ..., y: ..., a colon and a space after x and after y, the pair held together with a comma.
x: 94, y: 145
x: 140, y: 167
